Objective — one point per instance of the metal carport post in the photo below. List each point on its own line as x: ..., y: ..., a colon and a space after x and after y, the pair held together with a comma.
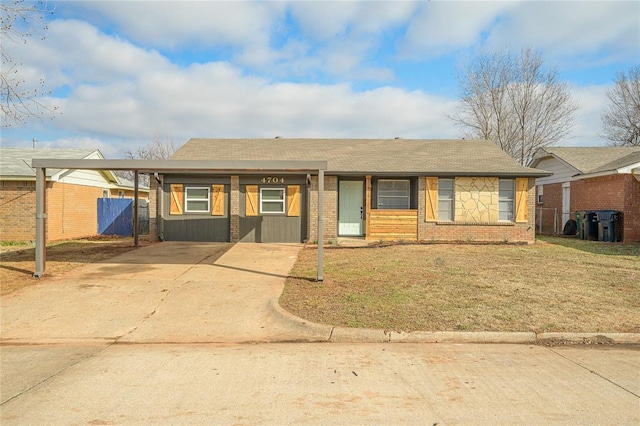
x: 167, y: 166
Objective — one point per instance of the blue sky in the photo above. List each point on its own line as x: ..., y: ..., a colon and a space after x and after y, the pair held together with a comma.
x: 125, y: 72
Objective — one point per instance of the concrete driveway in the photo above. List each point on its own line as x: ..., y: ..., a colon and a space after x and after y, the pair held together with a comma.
x: 170, y: 292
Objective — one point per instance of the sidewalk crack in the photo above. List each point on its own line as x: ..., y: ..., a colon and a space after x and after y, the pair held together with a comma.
x: 91, y: 355
x: 595, y: 372
x: 152, y: 313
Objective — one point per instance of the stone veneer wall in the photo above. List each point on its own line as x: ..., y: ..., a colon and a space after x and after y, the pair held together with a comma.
x: 330, y: 208
x: 480, y: 232
x: 476, y: 200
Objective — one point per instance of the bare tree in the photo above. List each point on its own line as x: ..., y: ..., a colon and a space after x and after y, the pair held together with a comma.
x: 160, y: 148
x: 19, y: 98
x: 513, y: 101
x: 621, y: 119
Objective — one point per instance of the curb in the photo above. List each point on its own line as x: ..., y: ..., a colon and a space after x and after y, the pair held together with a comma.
x: 463, y: 337
x: 314, y: 332
x: 590, y: 338
x: 310, y: 331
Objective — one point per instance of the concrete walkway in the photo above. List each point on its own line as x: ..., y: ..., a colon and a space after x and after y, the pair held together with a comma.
x: 169, y: 292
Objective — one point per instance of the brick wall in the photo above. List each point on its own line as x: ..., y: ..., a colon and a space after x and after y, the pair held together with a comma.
x: 234, y: 210
x: 154, y: 232
x: 71, y: 209
x: 614, y: 192
x: 17, y: 210
x: 330, y: 208
x: 511, y: 232
x: 551, y: 199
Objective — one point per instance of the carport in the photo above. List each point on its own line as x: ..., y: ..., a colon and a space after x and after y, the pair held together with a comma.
x: 168, y: 166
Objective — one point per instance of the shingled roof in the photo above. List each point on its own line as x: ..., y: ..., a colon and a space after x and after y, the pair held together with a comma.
x: 374, y: 156
x: 16, y: 162
x: 592, y: 159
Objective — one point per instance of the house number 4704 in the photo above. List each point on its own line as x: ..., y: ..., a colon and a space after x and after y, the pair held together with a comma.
x: 272, y: 179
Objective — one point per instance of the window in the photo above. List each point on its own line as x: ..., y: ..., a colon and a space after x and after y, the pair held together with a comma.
x: 445, y: 199
x: 272, y: 200
x: 120, y: 194
x: 105, y: 193
x: 539, y: 193
x: 393, y: 194
x: 505, y: 200
x: 196, y: 199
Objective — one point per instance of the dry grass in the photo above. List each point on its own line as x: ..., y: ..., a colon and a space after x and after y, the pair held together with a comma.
x: 17, y: 261
x: 555, y: 285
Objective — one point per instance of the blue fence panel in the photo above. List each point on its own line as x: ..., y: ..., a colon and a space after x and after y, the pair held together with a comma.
x: 115, y: 216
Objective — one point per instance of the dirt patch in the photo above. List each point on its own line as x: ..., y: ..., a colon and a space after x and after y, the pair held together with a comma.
x: 17, y: 262
x: 554, y: 285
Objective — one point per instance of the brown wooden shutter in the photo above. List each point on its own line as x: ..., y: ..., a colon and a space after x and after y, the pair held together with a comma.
x: 522, y: 197
x: 217, y: 204
x: 176, y: 199
x: 431, y: 211
x: 251, y: 200
x: 293, y: 200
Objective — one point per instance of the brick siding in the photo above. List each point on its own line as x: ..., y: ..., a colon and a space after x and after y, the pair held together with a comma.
x: 551, y: 199
x: 512, y: 232
x: 614, y: 192
x: 71, y: 209
x: 17, y: 210
x: 330, y: 208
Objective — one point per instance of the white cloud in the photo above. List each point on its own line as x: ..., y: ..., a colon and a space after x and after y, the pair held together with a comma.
x: 572, y: 30
x: 444, y: 27
x: 171, y: 24
x: 592, y: 101
x: 81, y: 142
x: 75, y: 51
x: 119, y: 95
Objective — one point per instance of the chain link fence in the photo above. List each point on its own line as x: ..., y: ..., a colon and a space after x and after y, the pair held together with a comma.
x: 548, y: 221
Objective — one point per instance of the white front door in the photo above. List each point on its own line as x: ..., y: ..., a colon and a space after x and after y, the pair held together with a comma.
x: 351, y: 208
x: 566, y: 204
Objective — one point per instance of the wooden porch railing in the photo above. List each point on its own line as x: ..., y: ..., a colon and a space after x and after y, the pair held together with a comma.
x: 393, y: 225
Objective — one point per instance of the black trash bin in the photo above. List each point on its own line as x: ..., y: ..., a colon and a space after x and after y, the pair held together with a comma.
x: 590, y: 223
x: 607, y: 220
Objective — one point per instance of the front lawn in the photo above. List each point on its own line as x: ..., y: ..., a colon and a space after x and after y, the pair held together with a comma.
x: 558, y: 284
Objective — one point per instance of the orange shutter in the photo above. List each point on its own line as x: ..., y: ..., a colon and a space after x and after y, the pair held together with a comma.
x: 522, y: 196
x: 251, y: 200
x: 217, y: 207
x: 431, y: 212
x: 293, y: 200
x: 176, y: 199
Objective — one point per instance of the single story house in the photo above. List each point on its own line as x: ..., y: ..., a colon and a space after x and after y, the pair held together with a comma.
x: 375, y: 189
x: 71, y: 194
x: 590, y: 178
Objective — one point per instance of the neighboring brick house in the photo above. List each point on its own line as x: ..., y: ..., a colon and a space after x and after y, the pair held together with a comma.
x: 375, y: 189
x: 71, y: 194
x: 590, y: 178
